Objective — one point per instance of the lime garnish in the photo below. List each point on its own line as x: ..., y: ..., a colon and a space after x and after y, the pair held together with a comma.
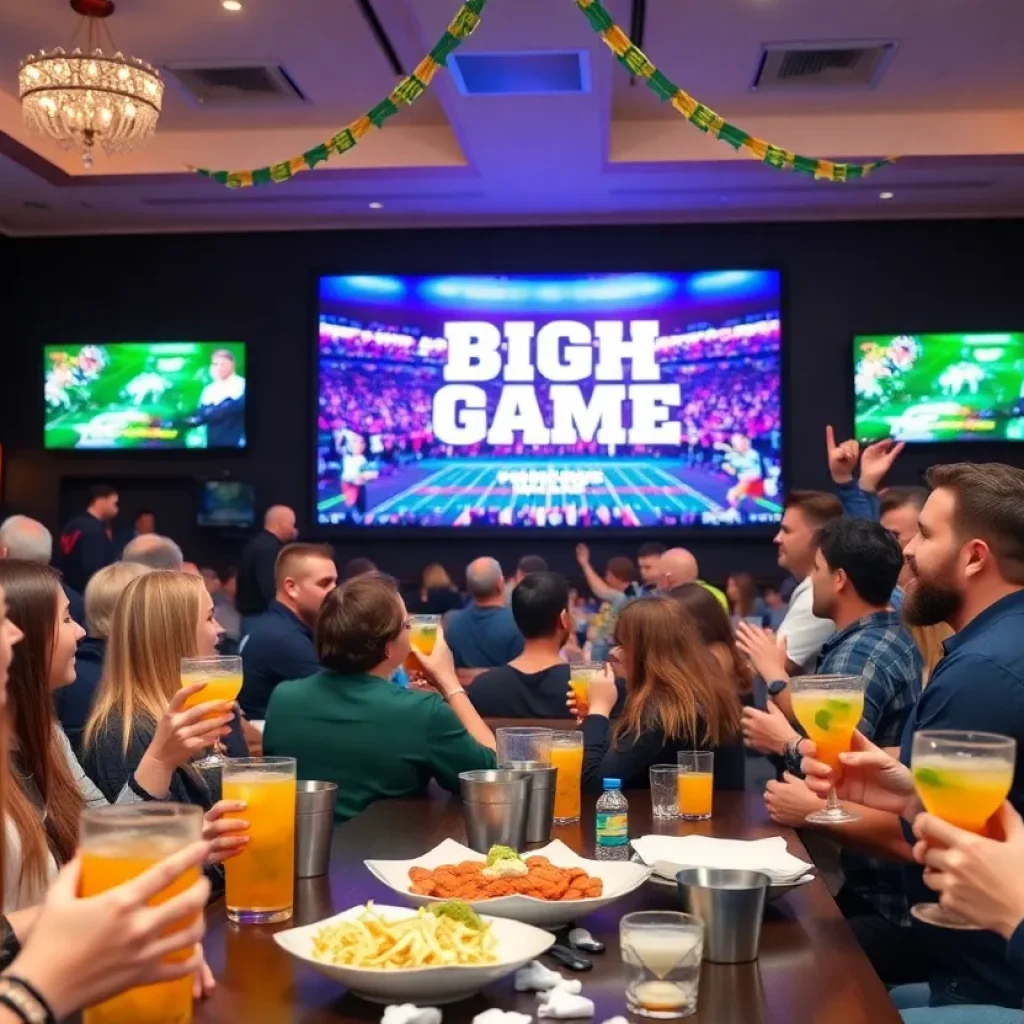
x: 837, y: 705
x: 822, y: 719
x: 929, y: 777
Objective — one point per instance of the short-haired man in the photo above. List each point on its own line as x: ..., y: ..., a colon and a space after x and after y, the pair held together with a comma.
x: 154, y: 551
x: 900, y: 508
x: 256, y: 583
x: 484, y: 635
x: 87, y: 540
x: 615, y: 590
x: 806, y: 512
x: 678, y: 566
x: 145, y: 522
x: 222, y: 404
x: 279, y: 644
x: 27, y: 539
x: 855, y: 569
x: 535, y: 684
x: 525, y: 565
x: 648, y: 560
x: 348, y: 725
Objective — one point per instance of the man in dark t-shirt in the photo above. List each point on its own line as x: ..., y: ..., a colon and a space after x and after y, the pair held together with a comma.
x: 534, y: 684
x: 86, y: 542
x: 484, y: 635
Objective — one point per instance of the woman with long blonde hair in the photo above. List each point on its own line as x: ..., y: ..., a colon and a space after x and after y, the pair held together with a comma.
x: 678, y: 697
x: 160, y: 618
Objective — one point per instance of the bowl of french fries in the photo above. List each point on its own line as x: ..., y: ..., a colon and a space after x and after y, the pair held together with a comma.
x: 434, y: 955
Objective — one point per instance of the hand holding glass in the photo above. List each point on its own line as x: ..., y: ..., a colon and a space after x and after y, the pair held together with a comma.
x: 222, y: 677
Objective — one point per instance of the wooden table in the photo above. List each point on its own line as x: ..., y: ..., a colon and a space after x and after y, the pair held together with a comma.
x: 810, y: 971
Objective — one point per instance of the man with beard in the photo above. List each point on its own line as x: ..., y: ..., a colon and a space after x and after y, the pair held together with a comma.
x: 967, y: 570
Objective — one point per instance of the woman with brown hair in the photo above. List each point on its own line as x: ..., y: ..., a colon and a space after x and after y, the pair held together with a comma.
x: 47, y: 788
x: 677, y: 698
x: 716, y: 632
x: 78, y: 952
x: 437, y: 594
x: 744, y: 602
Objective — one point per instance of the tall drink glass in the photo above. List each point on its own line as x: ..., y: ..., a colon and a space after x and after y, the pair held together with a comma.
x: 260, y: 881
x: 422, y: 637
x: 963, y: 778
x: 223, y: 679
x: 696, y: 784
x: 829, y: 708
x: 567, y: 757
x: 516, y: 744
x: 581, y: 674
x: 118, y: 844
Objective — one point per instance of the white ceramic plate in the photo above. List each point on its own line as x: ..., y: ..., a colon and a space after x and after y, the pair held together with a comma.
x: 619, y: 877
x: 518, y: 944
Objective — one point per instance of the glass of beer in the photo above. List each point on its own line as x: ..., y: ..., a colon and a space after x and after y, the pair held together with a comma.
x: 260, y: 881
x: 567, y: 757
x: 696, y: 784
x: 118, y: 844
x: 223, y: 679
x: 422, y: 637
x: 580, y: 676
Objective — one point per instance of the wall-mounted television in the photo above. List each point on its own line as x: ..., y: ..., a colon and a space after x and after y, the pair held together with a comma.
x: 553, y: 401
x: 145, y: 394
x: 226, y: 503
x: 939, y: 387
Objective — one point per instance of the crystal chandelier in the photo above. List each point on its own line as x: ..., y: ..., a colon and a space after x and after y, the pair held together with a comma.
x: 81, y: 99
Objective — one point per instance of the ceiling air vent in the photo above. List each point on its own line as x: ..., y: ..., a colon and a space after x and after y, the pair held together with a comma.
x: 822, y: 65
x: 243, y: 84
x: 544, y: 73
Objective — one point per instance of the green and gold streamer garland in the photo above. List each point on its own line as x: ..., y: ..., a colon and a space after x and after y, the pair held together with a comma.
x: 405, y: 93
x: 637, y: 63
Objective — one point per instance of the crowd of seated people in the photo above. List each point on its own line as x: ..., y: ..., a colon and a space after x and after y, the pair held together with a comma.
x: 919, y: 591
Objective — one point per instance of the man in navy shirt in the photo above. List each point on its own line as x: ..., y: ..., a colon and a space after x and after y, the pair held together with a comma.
x: 485, y: 634
x: 279, y: 644
x: 87, y: 541
x: 257, y: 585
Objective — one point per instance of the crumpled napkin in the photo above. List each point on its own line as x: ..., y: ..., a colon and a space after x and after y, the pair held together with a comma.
x: 497, y: 1016
x: 562, y: 1004
x: 406, y: 1013
x: 573, y: 987
x: 535, y: 977
x: 616, y: 1020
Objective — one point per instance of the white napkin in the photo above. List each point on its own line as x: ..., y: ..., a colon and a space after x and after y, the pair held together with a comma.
x: 409, y: 1014
x: 616, y: 1020
x: 562, y: 1004
x: 496, y: 1016
x: 769, y: 856
x: 535, y: 977
x: 574, y: 988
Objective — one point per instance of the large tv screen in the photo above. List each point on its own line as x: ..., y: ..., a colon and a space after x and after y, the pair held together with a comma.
x: 939, y: 387
x: 145, y: 394
x: 609, y: 400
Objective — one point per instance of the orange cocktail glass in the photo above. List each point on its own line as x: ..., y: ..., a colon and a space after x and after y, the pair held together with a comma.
x: 567, y: 757
x: 223, y: 678
x: 422, y: 637
x: 118, y: 844
x: 696, y: 784
x: 260, y: 881
x: 581, y: 674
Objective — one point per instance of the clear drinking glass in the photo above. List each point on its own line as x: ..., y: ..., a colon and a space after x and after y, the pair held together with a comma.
x: 664, y: 790
x: 223, y: 678
x: 567, y: 757
x: 517, y: 744
x: 580, y: 676
x: 260, y: 881
x: 962, y: 778
x: 696, y: 784
x: 662, y: 952
x: 422, y: 637
x: 118, y: 844
x: 829, y: 708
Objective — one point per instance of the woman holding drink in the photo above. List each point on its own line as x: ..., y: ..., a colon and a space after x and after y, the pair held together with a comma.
x: 77, y: 952
x: 677, y: 699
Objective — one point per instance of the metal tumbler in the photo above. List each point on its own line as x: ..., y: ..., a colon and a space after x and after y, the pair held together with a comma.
x: 541, y: 817
x: 496, y: 805
x: 314, y: 827
x: 731, y: 905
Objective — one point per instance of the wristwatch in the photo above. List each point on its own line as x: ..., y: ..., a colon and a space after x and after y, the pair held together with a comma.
x: 776, y: 687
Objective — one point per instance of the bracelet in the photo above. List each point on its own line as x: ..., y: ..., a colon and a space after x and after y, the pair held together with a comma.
x: 25, y: 1000
x: 454, y: 693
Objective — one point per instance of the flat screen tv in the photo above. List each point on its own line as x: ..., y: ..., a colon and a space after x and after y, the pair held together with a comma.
x: 145, y: 394
x: 939, y: 387
x: 632, y: 400
x: 226, y: 503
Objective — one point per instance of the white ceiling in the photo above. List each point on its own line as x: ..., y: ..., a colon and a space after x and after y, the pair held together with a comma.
x: 951, y: 103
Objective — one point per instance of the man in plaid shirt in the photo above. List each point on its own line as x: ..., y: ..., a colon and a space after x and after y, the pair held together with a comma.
x: 855, y: 571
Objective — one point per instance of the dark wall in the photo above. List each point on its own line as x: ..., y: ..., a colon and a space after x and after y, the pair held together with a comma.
x: 839, y: 279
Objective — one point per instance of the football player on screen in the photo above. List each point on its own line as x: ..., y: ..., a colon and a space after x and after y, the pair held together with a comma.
x: 222, y: 404
x: 744, y: 462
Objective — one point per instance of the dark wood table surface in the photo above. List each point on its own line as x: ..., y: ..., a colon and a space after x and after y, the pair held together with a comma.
x: 810, y: 968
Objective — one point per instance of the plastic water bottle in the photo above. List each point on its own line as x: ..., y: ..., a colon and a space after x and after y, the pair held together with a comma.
x: 612, y: 822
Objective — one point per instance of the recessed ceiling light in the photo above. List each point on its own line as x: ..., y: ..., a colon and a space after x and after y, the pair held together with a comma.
x: 886, y: 195
x: 376, y: 206
x: 231, y: 5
